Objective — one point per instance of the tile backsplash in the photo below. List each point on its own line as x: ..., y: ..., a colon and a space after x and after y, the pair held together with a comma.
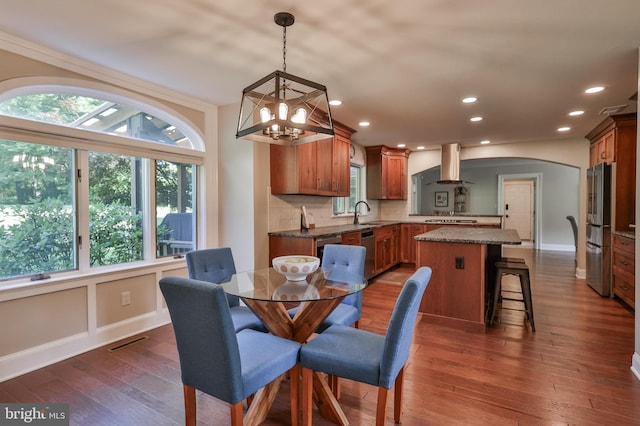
x: 284, y: 212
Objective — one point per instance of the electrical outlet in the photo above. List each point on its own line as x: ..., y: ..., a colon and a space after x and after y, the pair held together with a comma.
x: 459, y: 262
x: 126, y: 298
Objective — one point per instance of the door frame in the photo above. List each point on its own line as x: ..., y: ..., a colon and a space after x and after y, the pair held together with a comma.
x: 537, y: 208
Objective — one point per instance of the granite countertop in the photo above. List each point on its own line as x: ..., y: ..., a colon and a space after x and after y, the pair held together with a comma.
x: 628, y: 234
x: 332, y: 231
x: 471, y: 236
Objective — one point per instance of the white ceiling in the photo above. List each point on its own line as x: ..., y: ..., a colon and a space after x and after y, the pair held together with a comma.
x: 403, y: 65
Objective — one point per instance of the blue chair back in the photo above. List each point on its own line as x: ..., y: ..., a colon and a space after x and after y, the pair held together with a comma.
x: 205, y: 337
x: 403, y: 320
x: 214, y: 265
x: 179, y: 226
x: 346, y: 258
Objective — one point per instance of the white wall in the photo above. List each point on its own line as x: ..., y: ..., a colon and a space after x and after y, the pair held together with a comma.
x: 559, y: 194
x: 235, y: 191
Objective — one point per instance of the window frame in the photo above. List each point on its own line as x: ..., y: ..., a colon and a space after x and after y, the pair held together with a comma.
x: 82, y: 142
x: 348, y: 211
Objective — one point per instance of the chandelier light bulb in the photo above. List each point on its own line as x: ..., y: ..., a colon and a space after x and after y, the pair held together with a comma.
x: 300, y: 116
x: 283, y: 111
x: 265, y: 114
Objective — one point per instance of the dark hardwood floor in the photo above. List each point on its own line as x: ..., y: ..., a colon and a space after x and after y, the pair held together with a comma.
x: 574, y: 370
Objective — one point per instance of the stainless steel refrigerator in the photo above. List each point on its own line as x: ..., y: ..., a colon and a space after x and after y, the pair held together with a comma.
x: 599, y: 228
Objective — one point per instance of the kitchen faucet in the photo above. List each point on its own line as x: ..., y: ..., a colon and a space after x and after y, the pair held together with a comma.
x: 355, y: 211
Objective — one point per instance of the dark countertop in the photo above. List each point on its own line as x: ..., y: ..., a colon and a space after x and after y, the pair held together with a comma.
x: 332, y: 231
x: 471, y: 236
x: 628, y: 234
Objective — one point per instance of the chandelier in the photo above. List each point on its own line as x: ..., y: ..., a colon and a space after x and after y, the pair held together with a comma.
x: 282, y: 108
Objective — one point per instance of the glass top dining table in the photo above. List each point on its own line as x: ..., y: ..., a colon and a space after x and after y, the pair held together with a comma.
x: 269, y: 294
x: 269, y: 285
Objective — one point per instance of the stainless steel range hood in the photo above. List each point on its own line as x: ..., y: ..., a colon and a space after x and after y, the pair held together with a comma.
x: 450, y: 165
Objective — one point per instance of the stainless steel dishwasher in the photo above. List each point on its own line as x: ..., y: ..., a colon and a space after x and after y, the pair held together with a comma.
x: 368, y: 241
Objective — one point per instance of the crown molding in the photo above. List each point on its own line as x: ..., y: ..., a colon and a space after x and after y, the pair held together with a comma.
x: 89, y: 69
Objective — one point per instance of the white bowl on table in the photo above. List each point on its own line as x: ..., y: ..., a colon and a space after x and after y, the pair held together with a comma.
x: 295, y: 267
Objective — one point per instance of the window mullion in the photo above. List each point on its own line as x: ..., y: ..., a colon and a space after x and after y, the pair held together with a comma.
x: 82, y: 210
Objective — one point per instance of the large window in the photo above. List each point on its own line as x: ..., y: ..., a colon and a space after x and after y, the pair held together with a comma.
x: 115, y: 209
x: 71, y: 201
x: 344, y: 205
x: 37, y: 209
x: 174, y: 208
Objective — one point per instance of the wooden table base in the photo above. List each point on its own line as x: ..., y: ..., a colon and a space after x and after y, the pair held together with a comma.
x: 306, y: 321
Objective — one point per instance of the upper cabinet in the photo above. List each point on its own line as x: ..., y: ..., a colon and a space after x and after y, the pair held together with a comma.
x: 315, y: 168
x: 387, y: 170
x: 614, y: 141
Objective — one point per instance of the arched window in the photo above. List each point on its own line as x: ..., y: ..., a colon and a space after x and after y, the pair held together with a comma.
x: 98, y: 115
x: 92, y: 180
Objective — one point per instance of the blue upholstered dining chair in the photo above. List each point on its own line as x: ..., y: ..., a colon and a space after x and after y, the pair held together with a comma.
x: 343, y: 258
x: 214, y: 358
x: 367, y: 357
x: 216, y: 265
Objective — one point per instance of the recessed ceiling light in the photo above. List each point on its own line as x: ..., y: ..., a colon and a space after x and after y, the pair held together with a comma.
x: 475, y: 119
x: 485, y: 142
x: 335, y: 102
x: 564, y: 129
x: 576, y: 113
x: 594, y: 89
x: 420, y: 147
x: 469, y: 100
x: 364, y: 123
x: 401, y: 145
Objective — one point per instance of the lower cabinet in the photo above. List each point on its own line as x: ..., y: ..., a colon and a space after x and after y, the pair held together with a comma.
x: 408, y: 246
x: 286, y: 246
x: 387, y: 241
x: 352, y: 238
x: 624, y: 264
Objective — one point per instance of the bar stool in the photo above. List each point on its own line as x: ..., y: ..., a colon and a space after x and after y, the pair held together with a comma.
x: 511, y: 259
x: 521, y: 270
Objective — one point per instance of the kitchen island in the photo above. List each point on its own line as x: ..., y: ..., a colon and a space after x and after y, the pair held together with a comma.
x: 462, y: 260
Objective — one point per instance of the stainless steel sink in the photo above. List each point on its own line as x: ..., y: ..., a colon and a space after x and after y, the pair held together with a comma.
x: 374, y: 223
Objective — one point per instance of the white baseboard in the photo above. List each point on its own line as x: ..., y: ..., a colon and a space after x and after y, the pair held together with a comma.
x: 19, y: 363
x: 557, y: 247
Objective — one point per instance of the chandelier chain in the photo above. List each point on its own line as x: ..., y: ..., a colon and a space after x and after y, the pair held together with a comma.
x: 284, y: 48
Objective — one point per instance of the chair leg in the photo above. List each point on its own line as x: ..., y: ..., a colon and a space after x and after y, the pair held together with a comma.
x: 334, y: 384
x: 236, y: 414
x: 497, y: 289
x: 381, y: 409
x: 307, y: 396
x: 525, y: 284
x: 294, y: 386
x: 397, y: 396
x: 189, y: 405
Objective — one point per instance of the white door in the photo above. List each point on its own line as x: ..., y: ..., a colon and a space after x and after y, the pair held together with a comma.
x: 518, y: 207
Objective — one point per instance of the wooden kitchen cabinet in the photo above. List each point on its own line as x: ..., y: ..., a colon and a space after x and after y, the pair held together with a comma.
x: 387, y: 240
x: 314, y: 168
x: 387, y: 170
x: 624, y: 263
x: 285, y: 246
x: 603, y: 149
x: 408, y: 246
x: 614, y: 140
x: 352, y: 238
